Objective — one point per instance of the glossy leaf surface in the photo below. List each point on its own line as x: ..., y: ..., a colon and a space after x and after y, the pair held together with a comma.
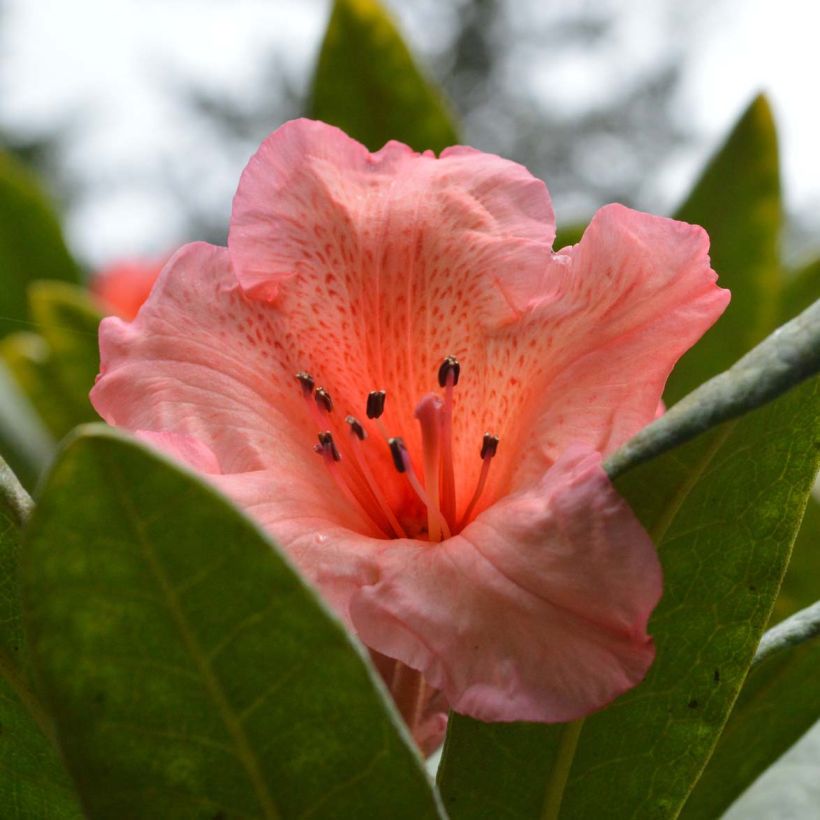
x: 33, y: 782
x: 189, y: 670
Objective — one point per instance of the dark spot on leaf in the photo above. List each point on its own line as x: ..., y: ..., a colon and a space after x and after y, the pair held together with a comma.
x: 693, y: 704
x: 220, y: 815
x: 752, y: 588
x: 716, y: 676
x: 99, y: 698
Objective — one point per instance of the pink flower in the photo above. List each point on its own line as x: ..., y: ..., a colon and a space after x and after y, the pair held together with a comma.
x: 123, y: 286
x: 504, y: 567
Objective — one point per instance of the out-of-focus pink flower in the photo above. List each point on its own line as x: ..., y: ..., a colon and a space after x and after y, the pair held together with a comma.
x: 123, y: 286
x: 459, y: 521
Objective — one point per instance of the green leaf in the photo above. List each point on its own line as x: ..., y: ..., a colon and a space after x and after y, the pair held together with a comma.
x: 723, y: 510
x: 33, y: 782
x: 69, y: 321
x: 776, y: 706
x: 29, y: 359
x: 189, y: 670
x: 31, y: 243
x: 56, y: 367
x: 24, y: 442
x: 737, y: 200
x: 367, y: 83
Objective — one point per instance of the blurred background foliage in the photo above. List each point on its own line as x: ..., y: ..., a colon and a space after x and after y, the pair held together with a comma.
x: 483, y: 78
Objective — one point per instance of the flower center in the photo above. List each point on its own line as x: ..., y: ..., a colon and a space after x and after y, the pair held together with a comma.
x: 397, y: 500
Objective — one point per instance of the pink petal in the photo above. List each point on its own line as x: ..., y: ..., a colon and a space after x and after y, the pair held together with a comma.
x: 385, y: 263
x: 637, y: 292
x: 200, y: 372
x: 537, y: 611
x: 187, y: 449
x: 381, y: 264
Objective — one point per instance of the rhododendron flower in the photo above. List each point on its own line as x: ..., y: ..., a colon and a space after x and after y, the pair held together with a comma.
x: 390, y: 369
x: 123, y: 286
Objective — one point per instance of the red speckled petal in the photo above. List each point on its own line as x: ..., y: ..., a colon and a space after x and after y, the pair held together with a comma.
x: 200, y: 372
x: 385, y: 263
x: 635, y: 294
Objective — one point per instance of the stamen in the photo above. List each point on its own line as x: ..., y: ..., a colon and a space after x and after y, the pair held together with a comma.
x: 448, y: 374
x: 375, y: 409
x: 356, y: 428
x: 323, y: 399
x: 331, y: 458
x: 375, y: 403
x: 428, y: 412
x: 327, y: 444
x: 358, y: 434
x: 306, y: 380
x: 489, y: 447
x: 401, y: 458
x: 449, y: 369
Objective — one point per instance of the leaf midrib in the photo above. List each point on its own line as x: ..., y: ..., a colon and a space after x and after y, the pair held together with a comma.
x: 244, y: 751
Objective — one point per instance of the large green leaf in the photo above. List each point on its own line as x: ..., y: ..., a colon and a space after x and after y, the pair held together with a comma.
x: 776, y: 706
x: 737, y: 200
x: 31, y: 243
x: 723, y: 510
x: 189, y: 670
x: 367, y: 83
x: 33, y: 782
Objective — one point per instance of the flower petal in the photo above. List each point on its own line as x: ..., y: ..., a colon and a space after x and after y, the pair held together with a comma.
x: 637, y: 292
x: 537, y: 611
x: 385, y: 263
x: 200, y: 373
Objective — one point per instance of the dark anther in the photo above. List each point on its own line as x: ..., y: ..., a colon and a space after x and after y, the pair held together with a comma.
x: 375, y: 403
x: 328, y: 445
x: 323, y: 399
x: 306, y: 380
x: 356, y: 427
x: 448, y: 366
x: 397, y: 451
x: 489, y: 446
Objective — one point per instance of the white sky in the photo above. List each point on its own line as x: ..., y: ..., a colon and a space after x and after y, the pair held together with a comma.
x: 102, y: 70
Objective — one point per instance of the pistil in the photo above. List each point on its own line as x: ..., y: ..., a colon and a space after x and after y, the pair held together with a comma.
x: 428, y: 413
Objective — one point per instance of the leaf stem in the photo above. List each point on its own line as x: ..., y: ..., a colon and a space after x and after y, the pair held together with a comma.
x: 557, y: 782
x: 802, y: 626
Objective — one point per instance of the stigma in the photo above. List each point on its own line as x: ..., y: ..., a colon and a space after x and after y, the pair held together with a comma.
x: 374, y: 471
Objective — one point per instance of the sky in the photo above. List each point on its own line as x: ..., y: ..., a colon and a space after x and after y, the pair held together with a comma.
x: 102, y: 74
